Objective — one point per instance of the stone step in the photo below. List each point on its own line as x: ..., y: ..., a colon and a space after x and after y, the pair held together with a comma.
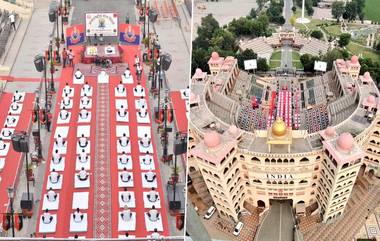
x: 24, y: 12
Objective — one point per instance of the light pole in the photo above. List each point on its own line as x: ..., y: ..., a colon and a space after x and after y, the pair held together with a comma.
x: 37, y: 110
x: 10, y: 191
x: 62, y: 13
x: 144, y: 13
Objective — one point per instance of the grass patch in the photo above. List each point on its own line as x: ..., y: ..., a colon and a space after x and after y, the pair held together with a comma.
x: 276, y: 56
x: 333, y: 30
x: 275, y: 64
x: 372, y: 10
x: 275, y: 60
x: 296, y: 60
x: 365, y: 52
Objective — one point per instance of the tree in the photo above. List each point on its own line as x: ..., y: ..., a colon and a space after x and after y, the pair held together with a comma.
x: 208, y: 27
x: 252, y: 14
x: 377, y: 46
x: 344, y: 39
x: 307, y: 61
x: 245, y: 55
x: 367, y: 64
x: 224, y: 39
x: 337, y: 9
x: 294, y: 9
x: 317, y: 34
x: 351, y: 11
x: 274, y: 12
x: 199, y: 58
x: 262, y: 65
x: 261, y: 3
x: 331, y: 56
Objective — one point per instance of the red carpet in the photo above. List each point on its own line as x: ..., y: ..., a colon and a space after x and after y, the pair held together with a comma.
x: 179, y: 106
x: 66, y: 193
x: 12, y: 169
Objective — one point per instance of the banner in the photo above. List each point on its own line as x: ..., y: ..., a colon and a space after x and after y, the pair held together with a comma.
x: 101, y: 23
x: 75, y: 35
x: 129, y: 34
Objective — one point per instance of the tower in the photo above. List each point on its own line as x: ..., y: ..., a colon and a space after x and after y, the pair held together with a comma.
x: 342, y: 158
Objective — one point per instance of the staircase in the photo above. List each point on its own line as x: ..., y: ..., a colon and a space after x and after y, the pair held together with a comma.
x: 102, y: 176
x: 365, y: 196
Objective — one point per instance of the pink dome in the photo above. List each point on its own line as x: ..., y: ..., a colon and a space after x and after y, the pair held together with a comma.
x: 345, y: 141
x: 212, y: 139
x: 354, y: 59
x: 367, y: 75
x: 215, y: 55
x: 233, y: 130
x: 330, y: 131
x: 371, y: 99
x: 198, y: 71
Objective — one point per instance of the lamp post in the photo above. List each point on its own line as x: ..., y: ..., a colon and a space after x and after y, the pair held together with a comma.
x: 144, y: 13
x: 62, y: 13
x: 10, y: 191
x: 52, y: 88
x: 37, y: 110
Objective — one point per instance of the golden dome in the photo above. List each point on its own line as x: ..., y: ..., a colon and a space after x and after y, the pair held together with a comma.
x: 279, y: 127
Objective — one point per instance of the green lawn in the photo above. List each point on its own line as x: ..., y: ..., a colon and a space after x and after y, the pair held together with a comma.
x: 275, y: 60
x: 372, y: 10
x: 369, y: 53
x: 296, y: 60
x: 276, y: 55
x: 333, y: 30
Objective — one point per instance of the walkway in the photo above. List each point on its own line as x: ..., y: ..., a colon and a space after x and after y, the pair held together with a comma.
x: 278, y: 225
x: 286, y: 55
x: 102, y: 174
x: 36, y: 41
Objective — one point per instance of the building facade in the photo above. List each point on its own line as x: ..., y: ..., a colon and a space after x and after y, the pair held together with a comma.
x: 279, y: 162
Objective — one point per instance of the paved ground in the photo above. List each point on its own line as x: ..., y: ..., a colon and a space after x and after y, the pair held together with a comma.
x: 322, y: 13
x: 35, y: 41
x: 223, y: 11
x: 286, y: 57
x: 278, y: 225
x: 287, y: 12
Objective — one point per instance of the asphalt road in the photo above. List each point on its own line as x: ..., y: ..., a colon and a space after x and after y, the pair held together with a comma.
x: 278, y: 225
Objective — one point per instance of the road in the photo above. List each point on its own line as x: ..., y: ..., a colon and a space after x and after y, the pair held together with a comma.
x: 278, y: 225
x: 286, y: 57
x: 287, y: 13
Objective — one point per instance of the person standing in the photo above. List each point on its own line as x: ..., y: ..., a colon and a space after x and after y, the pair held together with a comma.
x: 12, y: 18
x: 64, y: 57
x: 71, y: 58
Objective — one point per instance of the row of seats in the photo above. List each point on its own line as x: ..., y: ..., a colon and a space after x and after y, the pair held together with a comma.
x: 317, y: 118
x: 10, y: 123
x: 127, y: 166
x: 80, y: 199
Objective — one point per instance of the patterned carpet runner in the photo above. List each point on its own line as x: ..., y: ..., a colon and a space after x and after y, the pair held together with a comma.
x: 102, y: 177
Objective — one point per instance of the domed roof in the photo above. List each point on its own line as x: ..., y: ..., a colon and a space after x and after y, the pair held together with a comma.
x: 330, y: 131
x: 233, y: 130
x: 279, y: 127
x: 367, y: 75
x: 345, y: 141
x: 215, y: 55
x: 212, y: 139
x: 371, y: 99
x: 354, y: 59
x: 198, y: 71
